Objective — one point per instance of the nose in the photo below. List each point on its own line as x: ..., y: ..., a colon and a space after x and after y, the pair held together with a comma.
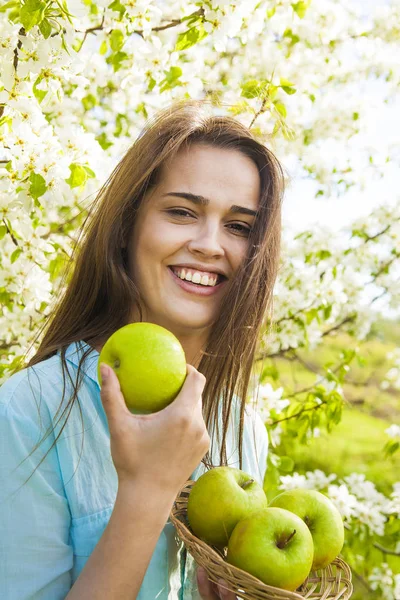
x: 207, y: 241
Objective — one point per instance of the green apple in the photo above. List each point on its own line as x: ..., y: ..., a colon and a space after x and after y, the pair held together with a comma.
x: 150, y: 364
x: 275, y: 546
x: 321, y: 516
x: 219, y: 499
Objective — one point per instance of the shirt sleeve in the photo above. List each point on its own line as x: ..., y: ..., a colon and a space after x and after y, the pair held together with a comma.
x: 36, y: 555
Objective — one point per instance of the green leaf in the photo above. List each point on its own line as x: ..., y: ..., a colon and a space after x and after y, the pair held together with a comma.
x: 103, y: 141
x: 300, y: 8
x: 269, y: 371
x: 281, y: 108
x: 7, y: 5
x: 116, y: 60
x: 286, y: 464
x: 39, y: 94
x: 121, y: 125
x: 254, y: 88
x: 89, y: 171
x: 152, y: 83
x: 103, y: 47
x: 271, y: 479
x: 288, y: 90
x: 37, y: 185
x: 117, y: 40
x: 285, y: 82
x: 302, y: 428
x: 311, y: 315
x: 89, y: 101
x: 391, y: 447
x: 78, y: 175
x: 189, y: 38
x: 171, y: 79
x: 271, y: 12
x: 294, y: 39
x: 15, y: 255
x: 32, y: 13
x: 3, y: 231
x: 117, y: 6
x: 45, y: 28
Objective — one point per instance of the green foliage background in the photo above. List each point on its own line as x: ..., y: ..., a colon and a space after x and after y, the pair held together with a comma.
x: 356, y: 443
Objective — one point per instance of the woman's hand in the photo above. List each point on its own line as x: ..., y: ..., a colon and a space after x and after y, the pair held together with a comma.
x: 209, y: 590
x: 161, y: 450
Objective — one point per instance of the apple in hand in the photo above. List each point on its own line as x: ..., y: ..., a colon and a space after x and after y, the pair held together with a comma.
x: 219, y: 499
x: 322, y: 518
x: 275, y: 546
x: 150, y: 364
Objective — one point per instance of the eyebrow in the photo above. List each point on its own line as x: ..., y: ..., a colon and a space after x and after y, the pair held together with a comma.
x: 205, y: 201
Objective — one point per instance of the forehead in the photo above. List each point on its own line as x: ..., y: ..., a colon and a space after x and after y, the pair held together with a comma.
x: 220, y: 174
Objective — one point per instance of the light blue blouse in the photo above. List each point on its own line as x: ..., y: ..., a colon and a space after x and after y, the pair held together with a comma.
x: 50, y: 525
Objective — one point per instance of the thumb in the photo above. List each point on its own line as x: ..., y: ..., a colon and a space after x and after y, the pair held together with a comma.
x: 193, y: 386
x: 110, y: 392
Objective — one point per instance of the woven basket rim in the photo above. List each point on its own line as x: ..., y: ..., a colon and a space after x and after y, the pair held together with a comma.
x: 214, y: 559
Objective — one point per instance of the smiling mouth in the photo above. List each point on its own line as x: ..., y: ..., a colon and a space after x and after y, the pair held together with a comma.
x: 198, y: 288
x: 220, y: 278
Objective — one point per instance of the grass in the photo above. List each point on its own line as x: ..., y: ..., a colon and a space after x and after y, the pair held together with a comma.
x: 355, y: 445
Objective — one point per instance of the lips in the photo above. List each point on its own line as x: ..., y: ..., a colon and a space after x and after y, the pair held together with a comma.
x: 192, y: 288
x: 176, y: 268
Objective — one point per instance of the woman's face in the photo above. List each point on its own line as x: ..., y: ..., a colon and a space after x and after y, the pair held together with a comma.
x: 174, y: 236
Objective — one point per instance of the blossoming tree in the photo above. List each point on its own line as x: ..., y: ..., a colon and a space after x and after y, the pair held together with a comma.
x: 78, y: 81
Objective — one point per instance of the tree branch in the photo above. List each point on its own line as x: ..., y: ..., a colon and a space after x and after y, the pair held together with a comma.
x: 282, y: 353
x: 386, y: 550
x: 19, y: 45
x: 173, y: 23
x: 11, y: 233
x: 303, y: 410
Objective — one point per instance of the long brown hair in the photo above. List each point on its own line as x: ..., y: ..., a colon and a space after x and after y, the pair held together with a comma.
x: 99, y: 294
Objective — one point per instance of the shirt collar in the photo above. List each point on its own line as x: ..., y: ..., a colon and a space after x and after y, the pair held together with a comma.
x: 74, y: 355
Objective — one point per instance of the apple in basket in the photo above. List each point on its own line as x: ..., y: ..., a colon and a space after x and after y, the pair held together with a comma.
x: 322, y: 518
x: 274, y: 545
x: 219, y: 499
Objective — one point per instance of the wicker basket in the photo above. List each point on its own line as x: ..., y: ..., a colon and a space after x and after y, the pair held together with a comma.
x: 331, y: 583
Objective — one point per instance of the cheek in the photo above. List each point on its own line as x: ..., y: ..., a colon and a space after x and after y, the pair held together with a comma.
x: 156, y: 242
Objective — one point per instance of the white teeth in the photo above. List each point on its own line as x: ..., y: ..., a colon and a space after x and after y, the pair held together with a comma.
x: 196, y: 277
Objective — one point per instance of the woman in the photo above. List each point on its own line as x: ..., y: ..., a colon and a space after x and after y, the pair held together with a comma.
x: 87, y: 487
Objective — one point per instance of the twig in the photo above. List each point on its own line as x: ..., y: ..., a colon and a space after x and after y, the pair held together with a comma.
x: 386, y: 550
x: 260, y: 111
x: 11, y: 233
x: 361, y: 579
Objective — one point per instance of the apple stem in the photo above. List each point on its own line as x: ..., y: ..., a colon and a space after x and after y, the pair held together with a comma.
x: 285, y: 542
x: 247, y: 483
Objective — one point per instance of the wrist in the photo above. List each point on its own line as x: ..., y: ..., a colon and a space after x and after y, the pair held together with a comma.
x: 146, y: 492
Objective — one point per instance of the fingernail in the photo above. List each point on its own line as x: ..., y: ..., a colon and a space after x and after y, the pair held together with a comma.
x: 104, y: 372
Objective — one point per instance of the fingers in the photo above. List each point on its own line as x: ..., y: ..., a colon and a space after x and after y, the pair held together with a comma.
x: 206, y: 587
x: 110, y: 393
x: 224, y: 593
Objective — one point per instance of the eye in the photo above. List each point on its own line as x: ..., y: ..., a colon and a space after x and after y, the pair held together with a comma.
x: 238, y: 228
x: 241, y: 229
x: 179, y: 212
